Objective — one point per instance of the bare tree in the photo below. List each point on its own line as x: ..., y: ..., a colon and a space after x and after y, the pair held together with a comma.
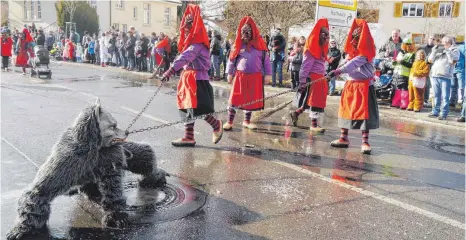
x: 70, y: 8
x: 5, y: 12
x: 270, y: 14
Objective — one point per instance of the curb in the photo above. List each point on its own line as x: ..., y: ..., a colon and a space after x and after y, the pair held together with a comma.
x: 390, y: 113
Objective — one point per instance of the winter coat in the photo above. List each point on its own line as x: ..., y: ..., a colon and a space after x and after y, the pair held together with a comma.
x: 49, y: 40
x: 296, y: 61
x: 278, y: 43
x: 145, y: 45
x: 130, y: 44
x: 215, y: 47
x: 460, y: 64
x: 443, y: 61
x: 7, y: 45
x: 336, y: 54
x: 419, y: 69
x: 390, y: 46
x: 40, y: 39
x: 403, y: 68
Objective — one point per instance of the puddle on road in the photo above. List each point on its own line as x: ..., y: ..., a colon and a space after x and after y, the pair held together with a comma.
x: 79, y: 79
x: 129, y: 80
x: 39, y: 87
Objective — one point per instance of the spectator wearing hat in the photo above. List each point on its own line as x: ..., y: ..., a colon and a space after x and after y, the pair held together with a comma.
x: 403, y: 64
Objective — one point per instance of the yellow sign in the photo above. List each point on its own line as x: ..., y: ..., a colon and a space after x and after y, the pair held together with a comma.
x: 341, y: 4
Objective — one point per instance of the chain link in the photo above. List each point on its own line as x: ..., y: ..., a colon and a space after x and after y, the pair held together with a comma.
x: 205, y: 115
x: 143, y: 110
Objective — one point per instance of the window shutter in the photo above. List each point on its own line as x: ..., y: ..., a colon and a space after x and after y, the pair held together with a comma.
x: 398, y: 11
x: 435, y: 10
x: 456, y: 9
x: 427, y: 10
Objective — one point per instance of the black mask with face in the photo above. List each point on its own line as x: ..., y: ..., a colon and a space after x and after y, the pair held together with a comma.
x: 356, y: 35
x: 324, y: 36
x: 188, y: 24
x: 246, y: 33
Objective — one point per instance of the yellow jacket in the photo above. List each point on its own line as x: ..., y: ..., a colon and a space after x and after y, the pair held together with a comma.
x: 419, y: 69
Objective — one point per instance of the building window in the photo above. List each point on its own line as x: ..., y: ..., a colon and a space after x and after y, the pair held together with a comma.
x: 116, y: 26
x: 39, y: 10
x: 445, y: 9
x: 119, y: 4
x: 413, y: 9
x: 418, y: 38
x: 32, y: 13
x: 167, y: 16
x: 92, y: 3
x: 26, y: 10
x: 125, y: 28
x: 135, y: 12
x: 146, y: 8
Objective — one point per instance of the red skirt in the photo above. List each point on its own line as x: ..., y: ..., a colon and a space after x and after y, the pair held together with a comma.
x: 354, y: 101
x: 247, y: 87
x: 317, y: 92
x: 187, y: 90
x: 22, y: 60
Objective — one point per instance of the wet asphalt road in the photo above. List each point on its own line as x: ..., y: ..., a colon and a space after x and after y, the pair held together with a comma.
x: 290, y: 185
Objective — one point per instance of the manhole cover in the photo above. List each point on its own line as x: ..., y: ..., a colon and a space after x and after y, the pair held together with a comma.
x: 174, y: 201
x: 150, y: 200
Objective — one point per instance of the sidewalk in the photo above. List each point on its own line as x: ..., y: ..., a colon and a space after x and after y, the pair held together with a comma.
x: 332, y: 102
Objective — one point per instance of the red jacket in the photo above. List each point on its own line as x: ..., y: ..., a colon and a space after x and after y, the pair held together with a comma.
x: 7, y: 45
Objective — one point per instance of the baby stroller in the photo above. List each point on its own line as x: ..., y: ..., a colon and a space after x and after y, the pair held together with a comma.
x: 40, y: 62
x: 383, y: 83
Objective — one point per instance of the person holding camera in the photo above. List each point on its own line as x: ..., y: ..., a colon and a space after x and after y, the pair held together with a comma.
x: 443, y: 61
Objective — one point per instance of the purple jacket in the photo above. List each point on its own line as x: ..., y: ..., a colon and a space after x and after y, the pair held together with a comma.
x: 249, y: 62
x: 311, y: 65
x: 358, y: 68
x: 195, y: 57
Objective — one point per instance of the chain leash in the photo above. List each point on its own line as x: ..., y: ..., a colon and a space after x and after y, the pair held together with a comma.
x: 205, y: 115
x: 143, y: 110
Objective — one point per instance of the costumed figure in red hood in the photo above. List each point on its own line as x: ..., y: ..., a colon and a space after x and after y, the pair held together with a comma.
x: 195, y: 95
x: 313, y: 97
x: 247, y: 59
x: 24, y: 50
x: 358, y: 103
x: 161, y: 52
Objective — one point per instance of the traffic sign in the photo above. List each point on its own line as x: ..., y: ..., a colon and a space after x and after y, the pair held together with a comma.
x: 336, y: 17
x: 351, y: 5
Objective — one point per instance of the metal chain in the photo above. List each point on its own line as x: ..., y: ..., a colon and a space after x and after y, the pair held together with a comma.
x: 205, y: 115
x: 147, y: 104
x: 143, y: 110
